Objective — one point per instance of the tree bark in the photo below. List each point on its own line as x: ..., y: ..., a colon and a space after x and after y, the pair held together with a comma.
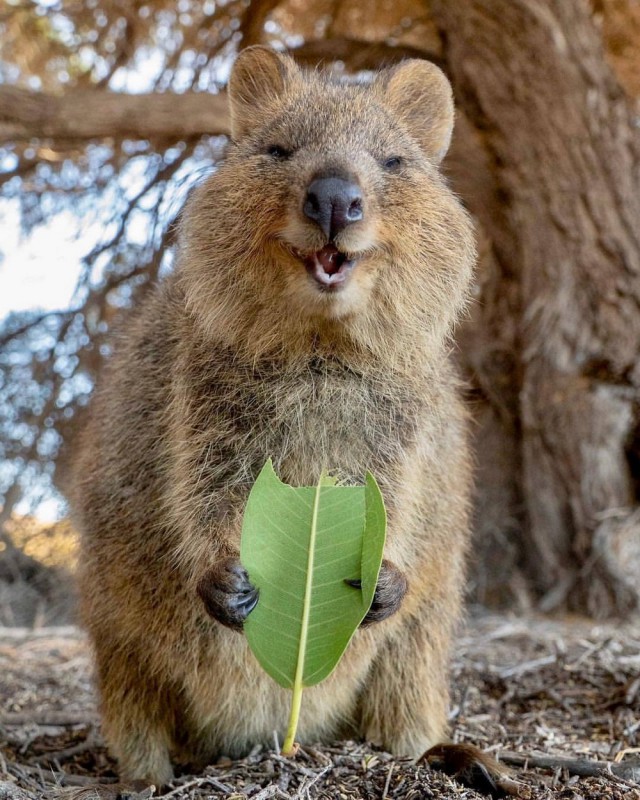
x: 357, y: 54
x: 561, y: 298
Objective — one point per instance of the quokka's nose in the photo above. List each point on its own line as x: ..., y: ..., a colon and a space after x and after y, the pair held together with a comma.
x: 333, y: 203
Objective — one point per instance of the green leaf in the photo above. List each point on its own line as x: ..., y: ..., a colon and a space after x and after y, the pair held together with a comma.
x: 300, y: 546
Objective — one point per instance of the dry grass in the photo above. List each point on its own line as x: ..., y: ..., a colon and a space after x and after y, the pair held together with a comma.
x: 559, y: 689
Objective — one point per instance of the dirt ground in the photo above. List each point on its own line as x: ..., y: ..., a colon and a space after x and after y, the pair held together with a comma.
x: 559, y: 701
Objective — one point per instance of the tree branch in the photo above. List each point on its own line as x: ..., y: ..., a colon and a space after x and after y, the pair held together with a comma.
x: 575, y: 766
x: 357, y: 54
x: 100, y: 113
x: 252, y: 26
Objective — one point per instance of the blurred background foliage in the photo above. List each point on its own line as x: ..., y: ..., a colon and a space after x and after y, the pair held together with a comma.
x: 126, y: 187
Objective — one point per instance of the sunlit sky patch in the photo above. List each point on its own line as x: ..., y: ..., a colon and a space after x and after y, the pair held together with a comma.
x: 38, y: 270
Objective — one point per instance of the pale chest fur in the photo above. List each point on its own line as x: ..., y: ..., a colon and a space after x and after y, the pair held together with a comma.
x: 321, y: 414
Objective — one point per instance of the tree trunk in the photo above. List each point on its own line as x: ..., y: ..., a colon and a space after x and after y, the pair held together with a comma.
x: 554, y: 343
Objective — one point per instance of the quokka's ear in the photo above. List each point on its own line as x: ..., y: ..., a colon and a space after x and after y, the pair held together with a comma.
x: 420, y: 95
x: 258, y: 77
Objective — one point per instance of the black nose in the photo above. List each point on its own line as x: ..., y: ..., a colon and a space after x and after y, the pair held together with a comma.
x: 333, y: 203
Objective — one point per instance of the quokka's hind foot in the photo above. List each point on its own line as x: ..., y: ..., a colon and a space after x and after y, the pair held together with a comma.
x: 137, y: 718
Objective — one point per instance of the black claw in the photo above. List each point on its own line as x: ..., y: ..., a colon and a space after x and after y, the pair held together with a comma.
x: 246, y: 601
x: 390, y: 591
x: 227, y: 593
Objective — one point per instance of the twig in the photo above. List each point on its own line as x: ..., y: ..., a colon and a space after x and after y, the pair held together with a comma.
x: 286, y: 762
x: 58, y: 778
x: 388, y: 781
x: 196, y: 783
x: 67, y: 752
x: 591, y: 648
x: 266, y: 793
x: 8, y: 791
x: 48, y: 632
x: 308, y: 783
x: 61, y: 718
x: 575, y: 766
x: 33, y: 322
x: 80, y: 780
x: 189, y: 785
x: 527, y: 666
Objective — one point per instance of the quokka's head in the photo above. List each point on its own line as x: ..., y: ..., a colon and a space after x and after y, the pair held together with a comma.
x: 330, y: 191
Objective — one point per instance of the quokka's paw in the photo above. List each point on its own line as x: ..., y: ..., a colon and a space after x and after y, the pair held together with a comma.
x: 390, y: 591
x: 228, y: 595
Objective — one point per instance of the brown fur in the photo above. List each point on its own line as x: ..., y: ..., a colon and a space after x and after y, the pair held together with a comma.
x: 237, y: 357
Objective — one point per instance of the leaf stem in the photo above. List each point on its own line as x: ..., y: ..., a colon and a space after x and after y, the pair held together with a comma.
x: 288, y: 748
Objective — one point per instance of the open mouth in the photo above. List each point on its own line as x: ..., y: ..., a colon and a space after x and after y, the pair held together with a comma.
x: 329, y: 267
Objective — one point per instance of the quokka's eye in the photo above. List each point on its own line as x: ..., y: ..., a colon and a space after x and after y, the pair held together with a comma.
x: 392, y: 163
x: 278, y: 153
